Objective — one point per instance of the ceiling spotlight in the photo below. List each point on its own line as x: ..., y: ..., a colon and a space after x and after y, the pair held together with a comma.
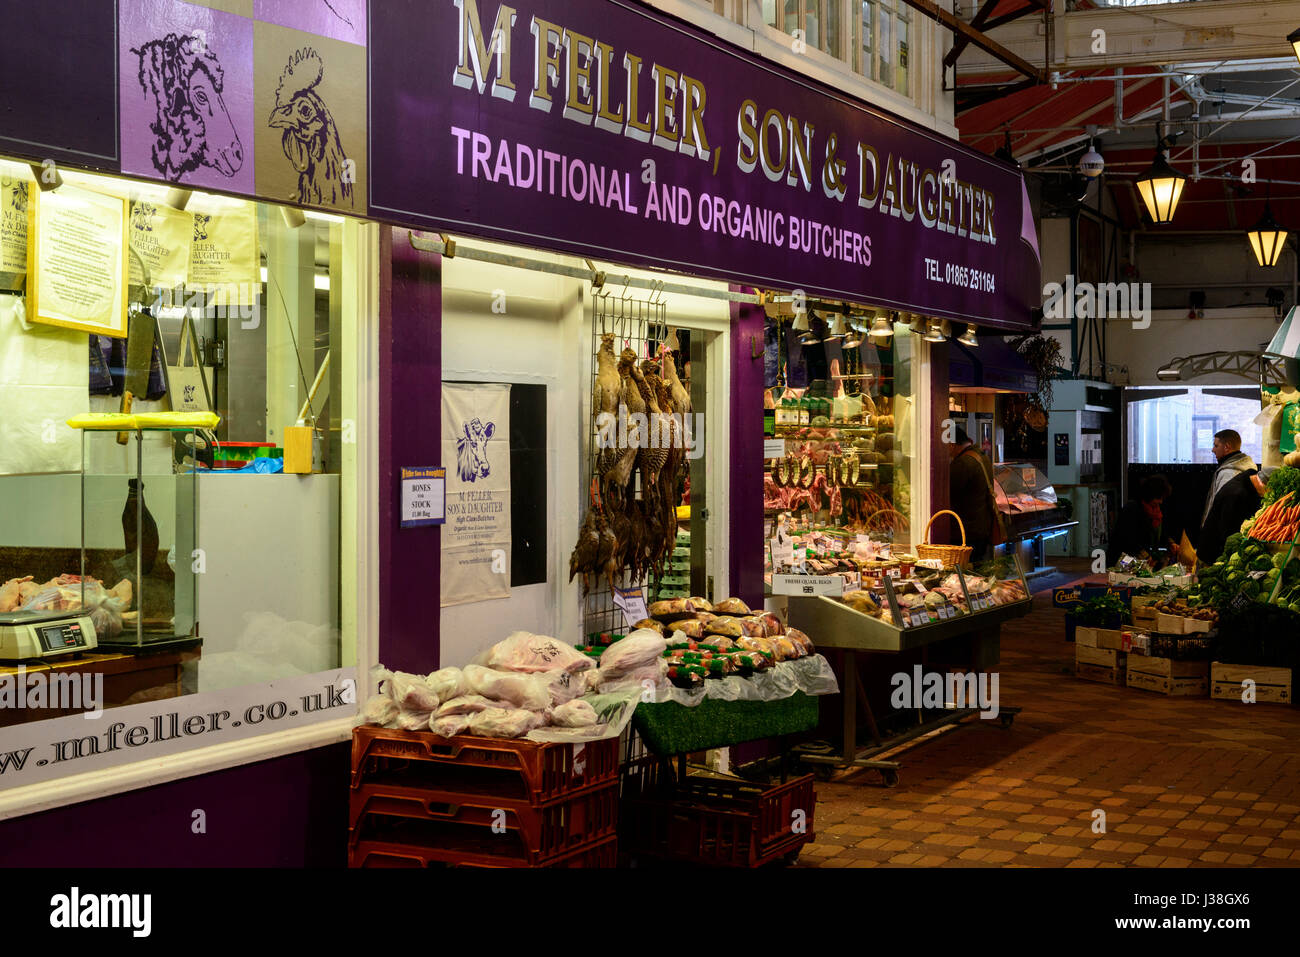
x: 881, y: 327
x: 1267, y: 238
x: 968, y: 337
x: 1170, y: 373
x: 1160, y: 188
x: 839, y: 328
x: 934, y: 331
x: 857, y: 332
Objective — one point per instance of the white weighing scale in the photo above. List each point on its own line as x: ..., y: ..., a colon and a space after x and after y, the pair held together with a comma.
x: 25, y: 635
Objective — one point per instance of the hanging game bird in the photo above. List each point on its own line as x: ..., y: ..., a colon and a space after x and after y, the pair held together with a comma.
x: 311, y: 137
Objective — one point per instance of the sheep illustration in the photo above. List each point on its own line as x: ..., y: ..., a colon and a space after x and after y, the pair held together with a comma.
x: 191, y: 125
x: 18, y: 198
x: 311, y: 137
x: 471, y: 451
x: 201, y: 222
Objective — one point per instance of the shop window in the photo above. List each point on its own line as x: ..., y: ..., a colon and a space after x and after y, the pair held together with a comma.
x: 201, y: 558
x: 1177, y: 426
x: 818, y: 22
x: 842, y: 407
x: 882, y: 47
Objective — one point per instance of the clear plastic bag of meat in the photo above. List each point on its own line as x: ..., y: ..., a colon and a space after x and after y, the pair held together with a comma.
x: 574, y: 714
x: 465, y: 704
x: 414, y: 720
x: 525, y: 652
x: 447, y: 683
x: 380, y: 710
x: 409, y: 692
x: 451, y: 725
x: 504, y: 722
x: 638, y: 648
x: 532, y: 692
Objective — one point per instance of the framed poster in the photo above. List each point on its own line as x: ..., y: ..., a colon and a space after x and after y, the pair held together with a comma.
x: 77, y: 260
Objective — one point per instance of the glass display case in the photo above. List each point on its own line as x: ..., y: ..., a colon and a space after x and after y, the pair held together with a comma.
x: 1026, y: 498
x: 905, y: 604
x: 138, y: 540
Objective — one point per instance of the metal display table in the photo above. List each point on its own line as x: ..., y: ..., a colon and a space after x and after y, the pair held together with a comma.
x: 839, y: 627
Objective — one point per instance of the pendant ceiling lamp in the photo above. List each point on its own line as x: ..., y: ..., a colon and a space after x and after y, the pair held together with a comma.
x: 934, y: 331
x: 839, y: 328
x: 968, y: 338
x: 1267, y: 238
x: 1160, y: 188
x: 800, y: 323
x: 881, y: 327
x: 855, y: 335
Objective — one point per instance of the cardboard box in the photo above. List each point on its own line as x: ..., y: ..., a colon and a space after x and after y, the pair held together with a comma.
x: 1272, y: 685
x: 1168, y: 676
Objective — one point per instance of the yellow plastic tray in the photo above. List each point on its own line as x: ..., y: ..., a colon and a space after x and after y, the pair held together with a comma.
x: 104, y: 421
x: 178, y: 420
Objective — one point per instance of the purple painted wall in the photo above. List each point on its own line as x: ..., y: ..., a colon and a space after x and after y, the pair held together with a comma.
x: 745, y: 408
x: 410, y: 434
x: 286, y: 812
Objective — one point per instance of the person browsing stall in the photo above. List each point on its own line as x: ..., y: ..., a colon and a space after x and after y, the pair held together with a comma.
x: 1140, y: 528
x: 1233, y: 497
x: 970, y: 493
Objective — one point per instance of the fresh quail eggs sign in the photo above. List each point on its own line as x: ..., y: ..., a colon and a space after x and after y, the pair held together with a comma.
x: 603, y: 128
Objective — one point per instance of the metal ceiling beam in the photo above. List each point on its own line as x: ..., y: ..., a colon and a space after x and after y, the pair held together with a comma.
x: 978, y: 22
x: 991, y: 47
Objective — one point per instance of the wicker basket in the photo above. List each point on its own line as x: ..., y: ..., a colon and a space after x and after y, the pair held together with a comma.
x: 948, y: 554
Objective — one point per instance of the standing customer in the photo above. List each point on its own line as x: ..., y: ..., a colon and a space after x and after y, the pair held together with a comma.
x: 1140, y: 525
x: 970, y: 492
x: 1232, y: 499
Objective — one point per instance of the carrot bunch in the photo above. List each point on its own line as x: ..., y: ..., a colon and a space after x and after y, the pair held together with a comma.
x: 1277, y: 523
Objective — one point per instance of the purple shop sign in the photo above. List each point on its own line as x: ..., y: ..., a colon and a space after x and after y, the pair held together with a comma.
x: 341, y: 19
x: 602, y: 128
x: 186, y: 87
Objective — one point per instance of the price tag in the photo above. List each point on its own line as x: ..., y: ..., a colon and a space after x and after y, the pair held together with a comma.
x: 921, y: 589
x: 894, y: 572
x: 773, y: 448
x: 947, y: 611
x: 919, y: 619
x: 633, y: 604
x: 907, y: 622
x: 782, y: 552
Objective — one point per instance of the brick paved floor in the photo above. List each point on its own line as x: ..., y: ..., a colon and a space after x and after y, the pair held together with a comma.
x: 1183, y: 782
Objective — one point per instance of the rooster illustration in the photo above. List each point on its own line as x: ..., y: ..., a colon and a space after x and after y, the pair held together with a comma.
x: 311, y: 137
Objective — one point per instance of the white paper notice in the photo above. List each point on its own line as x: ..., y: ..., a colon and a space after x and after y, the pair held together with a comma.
x: 424, y: 497
x: 632, y: 601
x: 79, y: 260
x: 773, y: 448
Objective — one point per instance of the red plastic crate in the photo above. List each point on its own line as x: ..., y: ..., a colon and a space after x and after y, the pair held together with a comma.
x: 458, y: 823
x: 712, y: 822
x: 507, y: 769
x: 599, y: 854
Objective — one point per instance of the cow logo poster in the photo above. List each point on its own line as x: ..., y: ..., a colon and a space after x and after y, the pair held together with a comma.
x: 186, y: 89
x: 476, y: 450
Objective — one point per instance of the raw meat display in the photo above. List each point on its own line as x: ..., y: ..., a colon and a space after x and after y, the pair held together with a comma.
x: 637, y: 649
x: 631, y: 522
x: 574, y: 714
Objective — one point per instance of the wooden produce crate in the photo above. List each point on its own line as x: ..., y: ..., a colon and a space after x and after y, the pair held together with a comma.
x: 1272, y: 685
x: 1145, y: 618
x: 1104, y: 665
x: 1109, y: 638
x: 1169, y: 676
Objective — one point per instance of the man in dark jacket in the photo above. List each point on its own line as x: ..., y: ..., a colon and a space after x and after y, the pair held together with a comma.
x: 970, y: 482
x: 1232, y: 499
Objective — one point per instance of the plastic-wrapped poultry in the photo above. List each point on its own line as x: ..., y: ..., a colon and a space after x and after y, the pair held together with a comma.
x: 526, y: 652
